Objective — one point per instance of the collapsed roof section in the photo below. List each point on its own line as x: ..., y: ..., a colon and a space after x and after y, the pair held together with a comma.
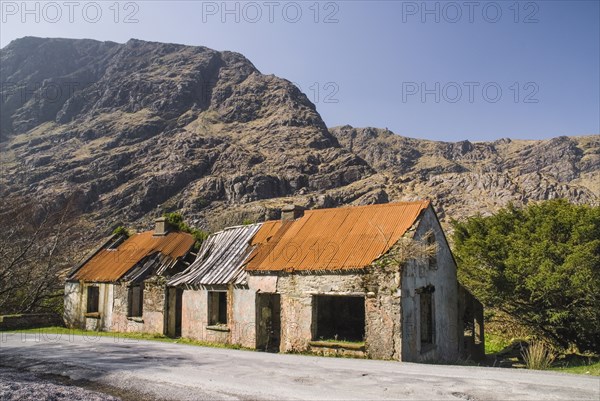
x: 220, y: 259
x: 112, y: 264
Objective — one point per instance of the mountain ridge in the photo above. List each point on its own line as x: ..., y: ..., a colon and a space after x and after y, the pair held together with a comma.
x: 143, y: 127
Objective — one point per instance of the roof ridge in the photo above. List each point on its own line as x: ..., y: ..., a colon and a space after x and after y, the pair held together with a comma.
x: 389, y: 204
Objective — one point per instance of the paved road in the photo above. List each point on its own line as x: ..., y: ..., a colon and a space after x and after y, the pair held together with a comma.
x: 181, y: 372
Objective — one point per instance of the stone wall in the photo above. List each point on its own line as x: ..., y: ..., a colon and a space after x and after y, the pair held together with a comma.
x: 417, y: 275
x: 153, y: 310
x: 30, y: 321
x: 113, y: 307
x: 194, y: 318
x: 297, y: 292
x: 391, y: 302
x: 382, y: 311
x: 382, y: 308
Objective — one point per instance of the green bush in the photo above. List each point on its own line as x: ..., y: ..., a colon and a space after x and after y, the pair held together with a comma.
x: 121, y: 231
x: 176, y: 220
x: 540, y: 265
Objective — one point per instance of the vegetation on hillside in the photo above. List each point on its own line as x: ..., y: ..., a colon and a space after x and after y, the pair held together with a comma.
x: 540, y: 265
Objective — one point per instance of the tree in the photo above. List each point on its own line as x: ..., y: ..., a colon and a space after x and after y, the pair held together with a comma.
x: 540, y: 265
x: 39, y: 243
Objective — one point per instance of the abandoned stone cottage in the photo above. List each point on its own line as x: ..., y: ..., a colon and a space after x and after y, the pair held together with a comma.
x: 121, y: 285
x: 332, y: 280
x: 326, y: 281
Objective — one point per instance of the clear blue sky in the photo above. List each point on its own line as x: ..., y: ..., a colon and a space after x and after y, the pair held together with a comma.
x: 386, y: 63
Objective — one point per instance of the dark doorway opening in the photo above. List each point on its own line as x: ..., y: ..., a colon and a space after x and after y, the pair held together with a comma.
x: 135, y: 300
x: 426, y: 317
x: 338, y: 318
x: 174, y: 298
x: 268, y: 330
x: 93, y: 299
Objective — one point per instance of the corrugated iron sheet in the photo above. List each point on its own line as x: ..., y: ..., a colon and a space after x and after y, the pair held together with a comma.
x: 109, y: 265
x: 156, y: 264
x: 335, y: 239
x: 220, y: 258
x: 266, y: 232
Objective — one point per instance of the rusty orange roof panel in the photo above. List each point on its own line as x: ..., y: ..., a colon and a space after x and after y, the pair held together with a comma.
x: 335, y: 239
x: 110, y: 265
x: 266, y: 231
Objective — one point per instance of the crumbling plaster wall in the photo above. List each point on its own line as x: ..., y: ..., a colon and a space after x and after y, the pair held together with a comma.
x: 103, y: 321
x: 74, y: 309
x: 416, y: 275
x: 241, y: 310
x: 243, y: 317
x: 194, y: 314
x: 194, y: 318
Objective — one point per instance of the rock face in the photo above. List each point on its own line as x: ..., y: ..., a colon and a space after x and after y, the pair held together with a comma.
x: 139, y: 124
x: 129, y: 127
x: 465, y: 178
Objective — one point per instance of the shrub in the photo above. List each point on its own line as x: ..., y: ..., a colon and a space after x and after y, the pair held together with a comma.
x: 121, y: 231
x: 538, y: 356
x: 176, y: 220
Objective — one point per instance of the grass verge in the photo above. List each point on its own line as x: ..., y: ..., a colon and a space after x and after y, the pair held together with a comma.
x: 578, y: 364
x: 52, y: 333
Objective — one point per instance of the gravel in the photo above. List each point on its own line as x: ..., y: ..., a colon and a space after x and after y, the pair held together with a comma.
x: 18, y: 385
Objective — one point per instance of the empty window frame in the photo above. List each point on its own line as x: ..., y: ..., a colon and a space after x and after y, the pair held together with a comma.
x: 135, y: 298
x: 93, y: 299
x: 217, y: 307
x: 338, y: 318
x: 432, y: 259
x: 427, y: 325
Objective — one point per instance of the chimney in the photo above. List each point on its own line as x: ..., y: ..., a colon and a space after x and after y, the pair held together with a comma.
x: 291, y: 212
x: 162, y: 227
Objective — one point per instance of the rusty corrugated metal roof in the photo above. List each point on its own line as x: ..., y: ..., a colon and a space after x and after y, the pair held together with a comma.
x: 335, y: 239
x: 220, y: 258
x: 266, y: 232
x: 110, y: 265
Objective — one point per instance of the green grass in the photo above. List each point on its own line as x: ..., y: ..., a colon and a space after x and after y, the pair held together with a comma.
x: 495, y: 343
x: 55, y: 331
x: 581, y: 365
x: 592, y: 369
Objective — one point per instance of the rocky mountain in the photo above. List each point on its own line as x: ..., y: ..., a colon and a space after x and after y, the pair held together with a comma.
x: 466, y: 178
x: 135, y: 127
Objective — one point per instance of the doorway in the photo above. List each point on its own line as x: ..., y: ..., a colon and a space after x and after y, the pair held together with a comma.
x: 174, y: 298
x: 268, y: 322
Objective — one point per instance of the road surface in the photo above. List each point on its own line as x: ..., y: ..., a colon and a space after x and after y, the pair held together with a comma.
x: 169, y: 371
